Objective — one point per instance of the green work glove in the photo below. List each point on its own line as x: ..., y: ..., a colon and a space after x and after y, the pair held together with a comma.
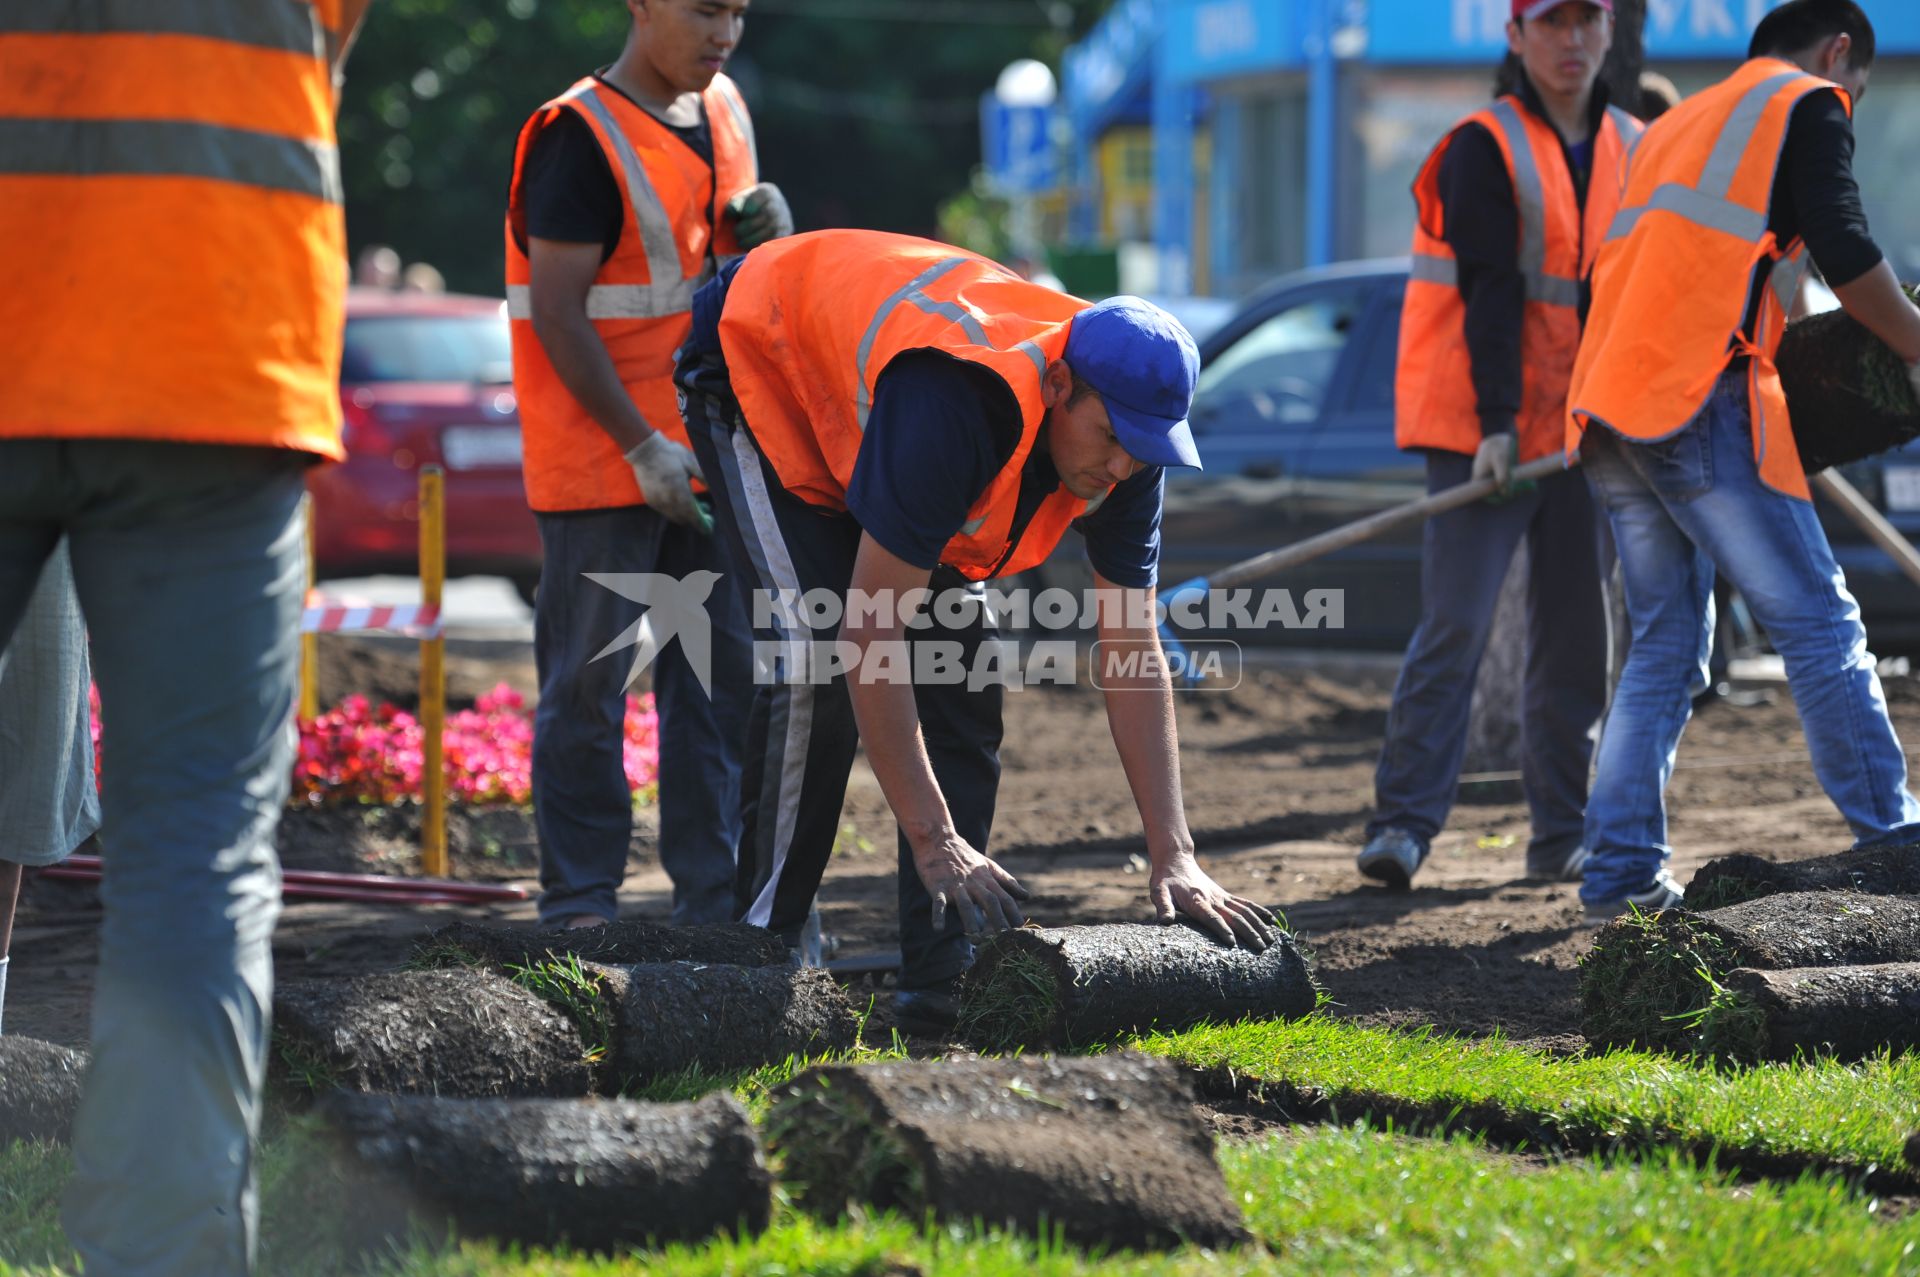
x: 1496, y: 459
x: 760, y: 213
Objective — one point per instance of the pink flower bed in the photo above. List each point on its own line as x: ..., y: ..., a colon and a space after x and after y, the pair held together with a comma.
x: 357, y: 752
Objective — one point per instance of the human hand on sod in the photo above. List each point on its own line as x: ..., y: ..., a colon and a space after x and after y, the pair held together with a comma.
x: 760, y: 214
x: 983, y: 894
x: 665, y: 471
x: 1180, y: 886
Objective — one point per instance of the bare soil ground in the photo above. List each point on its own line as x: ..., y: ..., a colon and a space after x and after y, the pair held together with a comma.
x: 1278, y: 778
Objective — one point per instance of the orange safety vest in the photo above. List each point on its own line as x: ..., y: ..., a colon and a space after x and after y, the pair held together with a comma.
x: 170, y: 206
x: 1671, y: 287
x: 811, y: 322
x: 1434, y: 401
x: 641, y: 301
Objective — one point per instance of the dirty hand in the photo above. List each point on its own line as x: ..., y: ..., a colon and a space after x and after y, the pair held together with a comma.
x: 666, y: 471
x: 1181, y: 886
x: 1495, y: 459
x: 980, y: 891
x: 760, y: 213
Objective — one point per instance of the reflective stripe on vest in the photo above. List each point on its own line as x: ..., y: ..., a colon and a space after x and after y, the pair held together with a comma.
x: 741, y: 120
x: 171, y: 148
x: 1705, y: 202
x: 1531, y: 198
x: 912, y: 293
x: 618, y: 301
x: 288, y: 26
x: 656, y: 229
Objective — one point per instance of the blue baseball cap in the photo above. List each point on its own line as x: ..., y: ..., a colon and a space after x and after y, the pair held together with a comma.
x: 1143, y: 363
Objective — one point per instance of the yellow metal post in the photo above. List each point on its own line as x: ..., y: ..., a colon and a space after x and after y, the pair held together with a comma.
x: 309, y: 643
x: 433, y: 681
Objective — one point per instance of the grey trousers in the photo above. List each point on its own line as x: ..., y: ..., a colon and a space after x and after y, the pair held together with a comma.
x: 48, y: 804
x: 189, y: 566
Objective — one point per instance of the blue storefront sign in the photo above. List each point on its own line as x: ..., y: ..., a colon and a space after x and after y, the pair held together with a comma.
x: 1017, y: 146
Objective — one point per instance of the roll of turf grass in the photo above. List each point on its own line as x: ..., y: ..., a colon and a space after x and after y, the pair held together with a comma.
x: 670, y: 1018
x: 1075, y: 986
x: 615, y: 944
x: 592, y: 1174
x: 40, y: 1084
x: 1847, y: 393
x: 456, y: 1033
x: 1880, y: 871
x: 1844, y: 1012
x: 1107, y: 1149
x: 1660, y: 982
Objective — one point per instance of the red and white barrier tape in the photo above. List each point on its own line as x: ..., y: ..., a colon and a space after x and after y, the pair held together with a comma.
x: 415, y: 620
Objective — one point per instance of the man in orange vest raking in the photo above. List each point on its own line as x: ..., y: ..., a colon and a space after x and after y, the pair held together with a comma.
x: 170, y: 331
x: 1513, y: 205
x: 627, y: 190
x: 1681, y: 426
x: 880, y: 414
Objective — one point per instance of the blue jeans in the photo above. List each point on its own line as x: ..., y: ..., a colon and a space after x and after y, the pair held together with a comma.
x: 582, y: 803
x: 189, y: 561
x: 1679, y: 508
x: 1464, y: 559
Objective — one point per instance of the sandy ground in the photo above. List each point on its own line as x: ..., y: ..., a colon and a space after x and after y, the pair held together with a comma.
x: 1278, y: 779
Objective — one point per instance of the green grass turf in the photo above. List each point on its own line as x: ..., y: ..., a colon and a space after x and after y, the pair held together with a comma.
x: 1854, y: 1115
x: 1326, y: 1201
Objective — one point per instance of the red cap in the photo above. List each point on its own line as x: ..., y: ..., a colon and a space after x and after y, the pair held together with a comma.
x: 1534, y: 8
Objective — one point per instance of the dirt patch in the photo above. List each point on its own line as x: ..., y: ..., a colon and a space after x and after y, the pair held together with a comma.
x: 1106, y: 1149
x: 483, y: 843
x: 624, y: 943
x: 464, y: 1034
x: 388, y: 669
x: 39, y: 1089
x: 547, y: 1173
x: 674, y: 1017
x: 1076, y: 986
x: 1879, y: 871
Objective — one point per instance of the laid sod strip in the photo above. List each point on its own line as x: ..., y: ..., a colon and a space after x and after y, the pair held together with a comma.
x: 672, y: 1017
x: 616, y: 944
x: 1649, y: 981
x: 1774, y: 1119
x: 1106, y: 1149
x: 1847, y: 392
x: 1882, y: 871
x: 39, y: 1089
x: 1846, y: 1012
x: 1075, y: 986
x: 588, y: 1174
x: 454, y: 1033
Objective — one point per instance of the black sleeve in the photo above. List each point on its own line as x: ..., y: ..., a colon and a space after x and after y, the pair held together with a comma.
x: 1483, y: 229
x: 1817, y: 160
x: 568, y: 191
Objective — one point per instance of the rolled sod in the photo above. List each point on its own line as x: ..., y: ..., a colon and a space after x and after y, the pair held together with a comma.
x: 40, y: 1085
x: 1880, y: 871
x: 1106, y: 1148
x: 1066, y: 986
x: 469, y: 1034
x: 673, y: 1017
x: 1651, y: 982
x: 616, y: 944
x: 1847, y: 392
x: 1845, y: 1012
x: 592, y: 1174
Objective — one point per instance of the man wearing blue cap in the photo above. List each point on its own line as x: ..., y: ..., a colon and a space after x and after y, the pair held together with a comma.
x: 877, y: 415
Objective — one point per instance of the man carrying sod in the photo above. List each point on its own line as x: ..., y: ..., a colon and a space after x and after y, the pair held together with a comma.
x: 1513, y: 204
x: 1693, y: 456
x: 627, y: 190
x: 879, y: 414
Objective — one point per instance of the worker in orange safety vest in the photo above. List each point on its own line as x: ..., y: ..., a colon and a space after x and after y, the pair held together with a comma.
x: 628, y: 190
x: 1679, y: 419
x: 1512, y: 206
x: 881, y: 415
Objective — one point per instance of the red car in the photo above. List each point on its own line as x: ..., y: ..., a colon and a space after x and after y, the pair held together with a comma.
x: 426, y: 378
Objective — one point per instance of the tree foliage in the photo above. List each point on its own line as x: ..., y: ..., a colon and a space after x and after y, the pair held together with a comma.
x: 864, y: 119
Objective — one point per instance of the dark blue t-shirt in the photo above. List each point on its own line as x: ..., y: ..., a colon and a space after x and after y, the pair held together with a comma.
x: 938, y: 432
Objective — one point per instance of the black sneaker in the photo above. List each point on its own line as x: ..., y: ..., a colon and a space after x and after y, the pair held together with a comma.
x: 1566, y: 866
x: 926, y: 1013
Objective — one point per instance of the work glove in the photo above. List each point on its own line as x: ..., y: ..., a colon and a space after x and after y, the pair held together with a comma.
x: 1496, y: 459
x: 760, y: 213
x: 666, y: 471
